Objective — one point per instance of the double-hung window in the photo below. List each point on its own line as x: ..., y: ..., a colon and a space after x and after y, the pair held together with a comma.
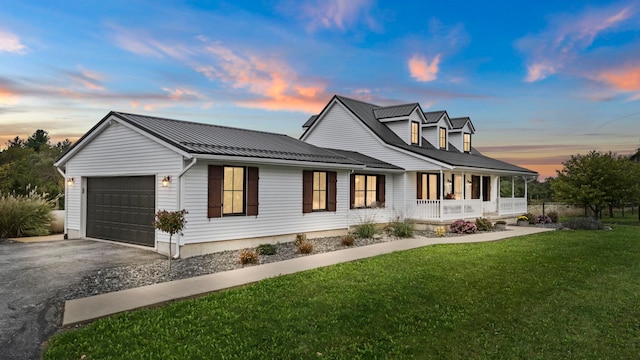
x: 232, y: 190
x: 467, y: 142
x: 443, y: 138
x: 319, y: 191
x: 367, y: 191
x: 415, y: 133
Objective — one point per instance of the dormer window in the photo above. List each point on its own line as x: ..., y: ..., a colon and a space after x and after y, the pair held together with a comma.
x: 466, y: 142
x: 415, y: 133
x: 443, y: 138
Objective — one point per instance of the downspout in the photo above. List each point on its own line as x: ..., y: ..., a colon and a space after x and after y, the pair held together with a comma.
x: 193, y: 162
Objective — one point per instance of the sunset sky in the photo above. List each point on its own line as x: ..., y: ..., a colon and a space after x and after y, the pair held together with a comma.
x: 540, y: 82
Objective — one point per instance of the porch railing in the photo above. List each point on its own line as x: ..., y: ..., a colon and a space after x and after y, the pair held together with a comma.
x: 512, y: 206
x: 451, y: 209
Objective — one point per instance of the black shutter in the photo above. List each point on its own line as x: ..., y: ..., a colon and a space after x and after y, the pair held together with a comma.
x: 214, y: 195
x: 252, y: 191
x: 352, y: 191
x: 307, y: 191
x: 380, y: 190
x: 419, y: 186
x: 332, y: 189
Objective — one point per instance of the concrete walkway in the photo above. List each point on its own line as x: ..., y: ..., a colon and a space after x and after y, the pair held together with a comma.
x: 90, y: 308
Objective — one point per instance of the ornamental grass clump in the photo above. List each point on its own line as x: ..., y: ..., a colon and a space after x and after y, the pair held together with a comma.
x: 305, y: 247
x: 441, y: 231
x: 553, y: 215
x: 403, y: 229
x: 483, y: 224
x: 463, y: 227
x: 365, y: 230
x: 25, y: 215
x: 347, y: 240
x: 248, y: 256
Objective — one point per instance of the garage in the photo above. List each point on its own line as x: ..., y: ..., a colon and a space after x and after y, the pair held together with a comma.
x: 121, y: 209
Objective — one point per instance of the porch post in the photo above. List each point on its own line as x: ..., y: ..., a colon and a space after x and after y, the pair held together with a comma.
x: 526, y: 184
x: 464, y: 192
x: 441, y: 205
x: 513, y: 187
x: 481, y: 188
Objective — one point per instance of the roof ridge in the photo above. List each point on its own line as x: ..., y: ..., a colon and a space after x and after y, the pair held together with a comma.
x: 435, y: 111
x: 199, y: 123
x: 397, y: 105
x: 356, y: 100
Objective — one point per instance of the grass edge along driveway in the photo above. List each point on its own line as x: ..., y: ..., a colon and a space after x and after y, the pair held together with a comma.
x: 564, y: 294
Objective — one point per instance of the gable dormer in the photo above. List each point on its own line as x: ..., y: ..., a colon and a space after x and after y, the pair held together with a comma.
x: 404, y: 120
x: 461, y: 133
x: 436, y: 129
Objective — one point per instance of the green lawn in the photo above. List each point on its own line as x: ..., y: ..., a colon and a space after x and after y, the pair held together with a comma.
x: 565, y: 294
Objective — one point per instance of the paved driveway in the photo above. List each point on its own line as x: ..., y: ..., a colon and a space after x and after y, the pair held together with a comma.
x: 33, y: 279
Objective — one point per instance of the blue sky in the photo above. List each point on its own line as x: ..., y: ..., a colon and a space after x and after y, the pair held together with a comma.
x: 540, y: 82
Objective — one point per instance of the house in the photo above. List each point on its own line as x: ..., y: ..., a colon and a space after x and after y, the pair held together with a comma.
x: 355, y: 162
x: 445, y: 178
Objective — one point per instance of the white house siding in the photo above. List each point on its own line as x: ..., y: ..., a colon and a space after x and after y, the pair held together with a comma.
x: 430, y: 133
x: 455, y: 139
x: 120, y: 151
x: 355, y: 136
x: 279, y: 210
x: 402, y: 128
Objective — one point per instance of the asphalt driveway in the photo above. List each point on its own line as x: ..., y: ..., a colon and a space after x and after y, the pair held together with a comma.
x: 33, y: 280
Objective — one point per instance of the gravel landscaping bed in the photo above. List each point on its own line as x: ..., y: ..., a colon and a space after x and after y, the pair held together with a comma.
x: 132, y: 276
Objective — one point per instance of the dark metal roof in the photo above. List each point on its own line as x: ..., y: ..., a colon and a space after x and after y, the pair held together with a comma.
x: 198, y: 138
x: 394, y: 111
x: 459, y: 123
x: 364, y: 111
x: 368, y: 161
x: 434, y: 116
x: 310, y: 122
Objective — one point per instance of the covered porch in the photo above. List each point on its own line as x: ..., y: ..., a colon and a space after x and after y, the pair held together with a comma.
x: 453, y: 195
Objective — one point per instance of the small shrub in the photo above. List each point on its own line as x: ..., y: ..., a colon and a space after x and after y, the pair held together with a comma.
x: 300, y: 238
x: 347, y: 240
x: 532, y: 218
x: 483, y: 224
x: 248, y: 256
x: 403, y: 229
x: 584, y: 224
x: 463, y: 227
x: 501, y: 222
x: 266, y: 249
x: 305, y: 247
x: 25, y: 215
x: 541, y: 219
x: 553, y: 215
x: 523, y: 218
x: 441, y: 231
x: 365, y: 230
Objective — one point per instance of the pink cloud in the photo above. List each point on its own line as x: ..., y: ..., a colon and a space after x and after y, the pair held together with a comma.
x: 275, y: 84
x: 423, y: 70
x: 567, y: 38
x: 10, y: 43
x: 624, y: 79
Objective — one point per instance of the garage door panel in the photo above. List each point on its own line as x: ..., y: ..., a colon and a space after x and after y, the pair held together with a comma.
x: 121, y: 209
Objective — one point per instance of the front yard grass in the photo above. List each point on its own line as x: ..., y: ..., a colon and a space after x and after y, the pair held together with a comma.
x: 563, y: 294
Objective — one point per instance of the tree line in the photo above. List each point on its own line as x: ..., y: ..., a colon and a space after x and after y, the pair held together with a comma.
x: 26, y: 164
x: 596, y: 181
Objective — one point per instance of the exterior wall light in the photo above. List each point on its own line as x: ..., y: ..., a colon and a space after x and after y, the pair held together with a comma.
x: 70, y: 181
x: 166, y: 181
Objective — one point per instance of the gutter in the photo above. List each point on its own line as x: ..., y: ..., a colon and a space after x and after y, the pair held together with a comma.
x: 191, y: 164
